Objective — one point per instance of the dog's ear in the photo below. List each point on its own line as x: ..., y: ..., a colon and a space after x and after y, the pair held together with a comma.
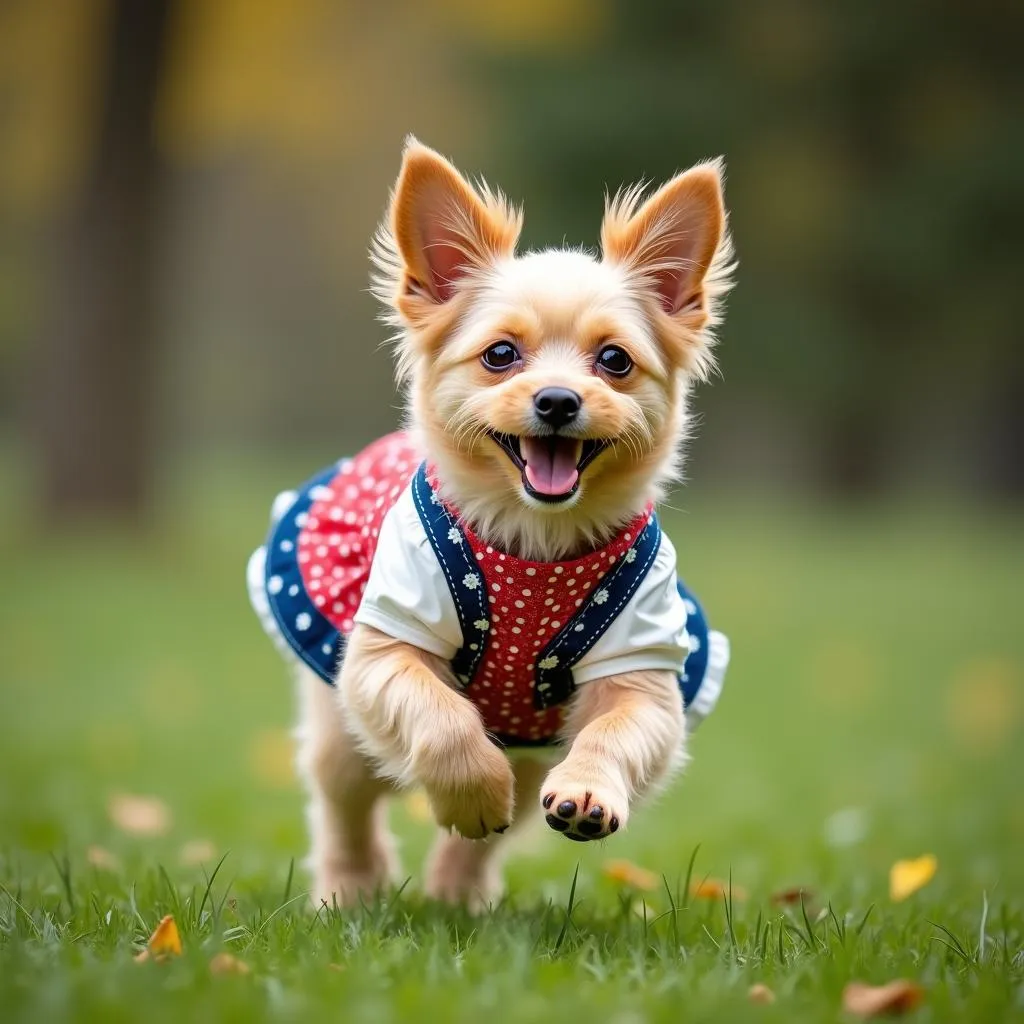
x: 671, y: 239
x: 444, y: 229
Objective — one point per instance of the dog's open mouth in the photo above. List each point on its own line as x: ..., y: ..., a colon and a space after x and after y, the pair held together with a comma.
x: 551, y: 466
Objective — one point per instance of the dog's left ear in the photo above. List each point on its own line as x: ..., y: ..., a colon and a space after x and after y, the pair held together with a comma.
x: 670, y: 240
x: 443, y: 230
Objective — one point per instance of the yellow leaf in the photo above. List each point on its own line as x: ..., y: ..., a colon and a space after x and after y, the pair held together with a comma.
x: 626, y: 873
x: 761, y: 994
x: 139, y: 815
x: 907, y: 876
x: 895, y: 998
x: 164, y: 942
x: 715, y: 889
x: 225, y: 963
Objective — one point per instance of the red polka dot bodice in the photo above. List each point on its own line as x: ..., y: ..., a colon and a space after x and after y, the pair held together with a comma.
x: 530, y: 602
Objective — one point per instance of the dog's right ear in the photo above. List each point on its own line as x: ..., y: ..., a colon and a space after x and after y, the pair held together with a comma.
x: 443, y: 231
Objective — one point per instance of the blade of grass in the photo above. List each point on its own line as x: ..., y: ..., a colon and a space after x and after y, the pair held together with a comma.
x: 811, y: 935
x: 672, y: 906
x: 209, y: 887
x: 175, y: 897
x: 982, y: 935
x: 957, y: 946
x: 727, y: 900
x: 840, y: 929
x: 689, y: 875
x: 568, y: 911
x: 146, y: 930
x: 288, y: 881
x: 28, y: 916
x: 64, y: 870
x: 864, y: 919
x: 763, y: 952
x: 270, y: 917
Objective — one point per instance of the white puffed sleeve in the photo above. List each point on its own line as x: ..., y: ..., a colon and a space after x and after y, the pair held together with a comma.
x: 406, y: 595
x: 649, y: 632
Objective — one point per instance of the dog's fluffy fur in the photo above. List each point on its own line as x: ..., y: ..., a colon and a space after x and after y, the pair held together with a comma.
x: 452, y: 285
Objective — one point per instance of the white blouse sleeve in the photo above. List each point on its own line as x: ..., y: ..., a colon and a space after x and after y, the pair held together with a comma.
x: 406, y: 595
x: 649, y: 633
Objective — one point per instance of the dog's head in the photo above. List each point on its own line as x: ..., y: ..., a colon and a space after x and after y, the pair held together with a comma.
x: 550, y: 388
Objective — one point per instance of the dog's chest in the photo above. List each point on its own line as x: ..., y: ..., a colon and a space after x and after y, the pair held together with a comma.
x: 530, y: 603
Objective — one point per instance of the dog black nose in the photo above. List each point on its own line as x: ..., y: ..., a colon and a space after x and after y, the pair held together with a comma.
x: 557, y: 407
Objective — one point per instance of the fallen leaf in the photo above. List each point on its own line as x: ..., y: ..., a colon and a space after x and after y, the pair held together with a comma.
x: 761, y: 994
x: 103, y: 859
x: 715, y: 889
x: 197, y: 851
x: 225, y: 963
x: 792, y: 897
x: 907, y: 876
x: 626, y: 873
x: 139, y: 815
x: 164, y: 942
x: 336, y: 967
x: 875, y: 1000
x: 417, y: 806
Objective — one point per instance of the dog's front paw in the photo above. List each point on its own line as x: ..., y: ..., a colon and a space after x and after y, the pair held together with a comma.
x: 470, y: 785
x: 583, y: 808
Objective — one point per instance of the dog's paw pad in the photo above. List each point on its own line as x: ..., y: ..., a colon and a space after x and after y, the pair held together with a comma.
x: 580, y: 820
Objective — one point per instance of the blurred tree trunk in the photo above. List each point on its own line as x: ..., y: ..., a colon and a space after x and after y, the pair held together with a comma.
x: 98, y: 352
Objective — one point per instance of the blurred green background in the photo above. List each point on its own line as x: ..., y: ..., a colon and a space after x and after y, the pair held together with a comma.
x: 187, y: 190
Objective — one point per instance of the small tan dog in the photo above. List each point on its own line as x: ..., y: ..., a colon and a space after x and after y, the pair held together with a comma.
x: 515, y: 590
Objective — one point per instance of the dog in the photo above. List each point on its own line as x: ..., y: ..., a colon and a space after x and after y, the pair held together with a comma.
x: 491, y: 584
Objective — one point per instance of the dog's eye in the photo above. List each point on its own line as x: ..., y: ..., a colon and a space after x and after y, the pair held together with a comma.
x: 613, y: 360
x: 500, y: 356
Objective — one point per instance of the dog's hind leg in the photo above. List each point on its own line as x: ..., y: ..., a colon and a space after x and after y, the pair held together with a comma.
x: 468, y: 871
x: 353, y: 853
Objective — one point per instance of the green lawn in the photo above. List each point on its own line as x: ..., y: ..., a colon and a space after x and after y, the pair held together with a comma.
x: 874, y: 711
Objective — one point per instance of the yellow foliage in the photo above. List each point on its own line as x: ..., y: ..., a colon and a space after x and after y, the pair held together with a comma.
x: 164, y: 942
x: 907, y: 876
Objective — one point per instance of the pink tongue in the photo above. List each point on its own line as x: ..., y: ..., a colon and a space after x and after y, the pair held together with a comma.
x: 551, y: 463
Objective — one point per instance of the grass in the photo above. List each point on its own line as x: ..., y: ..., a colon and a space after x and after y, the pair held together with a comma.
x: 873, y: 712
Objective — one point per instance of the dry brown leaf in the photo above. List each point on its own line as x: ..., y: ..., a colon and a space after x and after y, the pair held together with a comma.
x: 197, y: 851
x: 791, y: 897
x: 139, y: 815
x: 895, y: 998
x: 626, y: 873
x: 715, y: 889
x: 164, y: 942
x: 103, y: 859
x: 907, y: 876
x: 225, y: 963
x: 761, y: 994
